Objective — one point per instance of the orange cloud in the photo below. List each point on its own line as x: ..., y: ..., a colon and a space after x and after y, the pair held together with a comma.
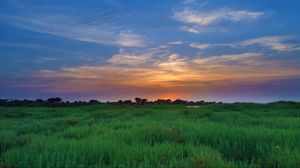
x: 168, y: 73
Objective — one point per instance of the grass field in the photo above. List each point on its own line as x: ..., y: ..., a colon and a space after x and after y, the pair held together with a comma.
x: 218, y: 135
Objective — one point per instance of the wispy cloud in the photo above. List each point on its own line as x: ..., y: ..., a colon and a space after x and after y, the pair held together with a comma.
x: 214, y: 17
x: 202, y: 45
x: 276, y: 43
x: 174, y: 63
x: 232, y: 59
x: 188, y: 1
x: 129, y: 39
x: 175, y: 42
x: 129, y: 59
x: 138, y: 58
x: 171, y: 70
x: 46, y: 59
x: 202, y: 21
x: 101, y: 28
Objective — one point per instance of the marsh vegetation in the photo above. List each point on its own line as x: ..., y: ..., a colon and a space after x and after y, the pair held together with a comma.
x: 105, y: 135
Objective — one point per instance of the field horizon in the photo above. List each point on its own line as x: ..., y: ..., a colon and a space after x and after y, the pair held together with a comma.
x: 135, y: 100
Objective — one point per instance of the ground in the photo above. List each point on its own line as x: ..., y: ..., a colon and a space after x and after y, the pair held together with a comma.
x: 216, y: 135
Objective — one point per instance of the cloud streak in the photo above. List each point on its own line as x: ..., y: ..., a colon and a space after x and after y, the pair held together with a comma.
x: 129, y: 39
x: 169, y: 71
x: 175, y: 42
x: 203, y: 21
x: 215, y: 17
x: 101, y: 28
x: 275, y: 43
x: 203, y: 46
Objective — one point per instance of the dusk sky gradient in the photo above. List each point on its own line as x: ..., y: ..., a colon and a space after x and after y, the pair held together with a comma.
x: 225, y: 50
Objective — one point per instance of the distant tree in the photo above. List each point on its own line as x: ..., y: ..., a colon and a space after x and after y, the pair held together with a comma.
x: 200, y: 102
x: 191, y: 103
x: 138, y: 100
x: 4, y: 102
x: 15, y: 103
x: 80, y: 102
x: 162, y: 101
x: 27, y: 102
x: 54, y: 100
x: 144, y: 101
x: 93, y: 101
x: 128, y: 102
x: 120, y: 102
x: 179, y: 101
x: 39, y: 101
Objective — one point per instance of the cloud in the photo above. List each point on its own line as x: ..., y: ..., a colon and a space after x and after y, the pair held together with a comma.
x: 202, y: 46
x: 175, y: 42
x: 173, y: 64
x: 167, y: 71
x: 193, y: 29
x: 130, y: 60
x: 232, y: 59
x: 203, y: 21
x: 188, y: 1
x: 277, y: 43
x: 130, y: 40
x: 202, y: 29
x: 214, y: 17
x: 46, y: 59
x: 135, y: 58
x: 101, y: 28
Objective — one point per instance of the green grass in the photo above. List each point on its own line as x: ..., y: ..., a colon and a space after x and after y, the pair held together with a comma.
x: 222, y: 135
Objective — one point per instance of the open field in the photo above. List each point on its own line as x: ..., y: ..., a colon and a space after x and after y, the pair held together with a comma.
x: 217, y: 135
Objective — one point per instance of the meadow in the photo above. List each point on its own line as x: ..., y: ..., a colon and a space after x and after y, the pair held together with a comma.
x: 150, y: 136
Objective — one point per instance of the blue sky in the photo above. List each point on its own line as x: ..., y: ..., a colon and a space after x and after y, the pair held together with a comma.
x: 192, y: 49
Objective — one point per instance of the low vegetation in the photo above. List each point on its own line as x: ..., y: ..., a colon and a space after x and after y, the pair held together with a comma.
x: 151, y: 135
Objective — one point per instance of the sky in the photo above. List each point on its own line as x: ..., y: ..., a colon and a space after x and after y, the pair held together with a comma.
x: 225, y: 50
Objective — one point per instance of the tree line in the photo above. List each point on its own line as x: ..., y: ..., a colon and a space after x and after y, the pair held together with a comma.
x: 56, y: 101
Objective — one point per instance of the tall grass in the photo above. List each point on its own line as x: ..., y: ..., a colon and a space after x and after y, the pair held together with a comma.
x: 223, y: 135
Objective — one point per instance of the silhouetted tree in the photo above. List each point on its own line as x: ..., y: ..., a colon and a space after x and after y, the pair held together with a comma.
x: 81, y: 102
x: 40, y: 101
x: 179, y: 101
x: 162, y: 101
x: 200, y: 102
x: 93, y: 101
x: 138, y: 100
x: 128, y: 102
x: 144, y: 101
x: 3, y: 102
x: 54, y: 100
x: 120, y: 102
